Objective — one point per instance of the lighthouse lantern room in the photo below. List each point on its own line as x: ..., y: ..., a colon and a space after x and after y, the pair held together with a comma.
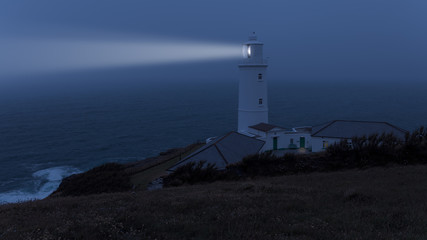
x: 253, y: 102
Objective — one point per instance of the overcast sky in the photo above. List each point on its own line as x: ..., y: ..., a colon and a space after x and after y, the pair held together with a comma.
x: 304, y: 39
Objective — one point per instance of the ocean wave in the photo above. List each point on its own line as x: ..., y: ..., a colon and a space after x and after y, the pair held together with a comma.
x: 43, y: 183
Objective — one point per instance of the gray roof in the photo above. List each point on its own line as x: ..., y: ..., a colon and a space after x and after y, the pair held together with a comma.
x: 231, y: 148
x: 305, y: 129
x: 264, y: 127
x: 349, y: 129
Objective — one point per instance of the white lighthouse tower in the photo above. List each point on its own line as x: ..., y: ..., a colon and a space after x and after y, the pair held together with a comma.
x: 253, y: 103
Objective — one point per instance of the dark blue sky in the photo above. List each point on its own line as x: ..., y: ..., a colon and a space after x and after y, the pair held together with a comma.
x: 305, y: 39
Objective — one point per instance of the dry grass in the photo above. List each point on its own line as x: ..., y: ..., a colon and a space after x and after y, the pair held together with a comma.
x: 378, y: 203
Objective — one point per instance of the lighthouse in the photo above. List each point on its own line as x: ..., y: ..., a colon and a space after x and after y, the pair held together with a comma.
x: 253, y: 102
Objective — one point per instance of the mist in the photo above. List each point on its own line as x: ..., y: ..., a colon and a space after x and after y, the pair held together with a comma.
x: 304, y: 40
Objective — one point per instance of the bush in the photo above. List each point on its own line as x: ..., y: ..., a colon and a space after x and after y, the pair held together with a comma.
x: 192, y: 173
x: 415, y: 148
x: 106, y: 178
x: 267, y: 164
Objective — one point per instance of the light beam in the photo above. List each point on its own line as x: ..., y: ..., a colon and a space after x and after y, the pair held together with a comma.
x: 44, y: 55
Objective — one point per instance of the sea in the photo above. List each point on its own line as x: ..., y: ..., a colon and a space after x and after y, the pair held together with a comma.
x: 50, y: 132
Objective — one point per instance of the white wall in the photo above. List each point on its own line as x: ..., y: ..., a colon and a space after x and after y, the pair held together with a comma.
x: 317, y: 143
x: 296, y: 137
x: 284, y: 139
x: 269, y: 139
x: 251, y: 89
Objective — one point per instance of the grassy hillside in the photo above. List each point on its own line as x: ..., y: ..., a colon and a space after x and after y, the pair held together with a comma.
x: 377, y: 203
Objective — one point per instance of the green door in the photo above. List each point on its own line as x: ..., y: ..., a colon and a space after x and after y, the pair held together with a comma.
x: 275, y: 143
x: 302, y: 142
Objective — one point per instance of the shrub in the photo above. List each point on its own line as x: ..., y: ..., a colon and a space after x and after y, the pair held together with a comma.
x: 415, y: 147
x: 365, y: 151
x: 267, y: 164
x: 192, y: 173
x: 106, y: 178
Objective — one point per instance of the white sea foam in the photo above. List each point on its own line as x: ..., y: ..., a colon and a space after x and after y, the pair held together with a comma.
x: 45, y: 181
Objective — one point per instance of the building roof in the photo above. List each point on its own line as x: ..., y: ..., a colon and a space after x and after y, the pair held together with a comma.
x: 304, y: 129
x: 229, y: 149
x: 349, y: 129
x: 264, y: 127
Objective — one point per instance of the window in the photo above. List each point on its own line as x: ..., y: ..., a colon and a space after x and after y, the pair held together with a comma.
x: 325, y: 144
x: 260, y: 76
x: 349, y: 143
x: 260, y: 101
x: 292, y: 141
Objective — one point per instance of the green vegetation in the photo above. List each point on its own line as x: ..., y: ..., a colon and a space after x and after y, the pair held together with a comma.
x: 192, y: 173
x: 378, y: 150
x: 376, y: 203
x: 106, y: 178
